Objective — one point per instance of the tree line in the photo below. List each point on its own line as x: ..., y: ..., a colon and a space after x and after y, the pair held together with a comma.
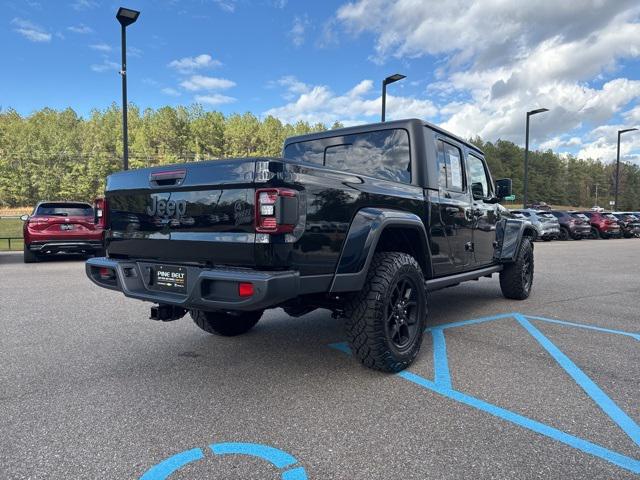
x: 57, y: 154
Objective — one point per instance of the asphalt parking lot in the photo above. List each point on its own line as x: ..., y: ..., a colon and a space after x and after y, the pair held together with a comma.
x: 92, y: 389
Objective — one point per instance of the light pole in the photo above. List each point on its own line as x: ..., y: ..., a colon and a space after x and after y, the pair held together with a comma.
x: 620, y: 132
x: 525, y: 197
x: 393, y: 78
x: 126, y: 17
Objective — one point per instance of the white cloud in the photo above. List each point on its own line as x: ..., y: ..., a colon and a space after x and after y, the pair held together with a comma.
x: 633, y: 115
x: 319, y: 104
x: 297, y: 32
x: 101, y: 47
x: 215, y: 99
x: 228, y: 6
x: 200, y: 82
x: 498, y: 59
x: 187, y: 65
x: 31, y: 31
x: 172, y: 92
x: 603, y: 141
x: 105, y: 66
x: 84, y: 4
x: 80, y: 28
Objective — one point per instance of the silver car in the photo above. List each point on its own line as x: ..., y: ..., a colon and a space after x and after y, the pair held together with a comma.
x: 546, y: 224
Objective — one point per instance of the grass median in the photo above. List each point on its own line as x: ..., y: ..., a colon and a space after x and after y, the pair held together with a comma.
x: 10, y: 227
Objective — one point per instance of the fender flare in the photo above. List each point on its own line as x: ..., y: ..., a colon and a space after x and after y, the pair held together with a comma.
x: 509, y: 234
x: 361, y: 242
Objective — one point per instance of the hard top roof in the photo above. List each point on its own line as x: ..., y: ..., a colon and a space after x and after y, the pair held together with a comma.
x: 377, y: 126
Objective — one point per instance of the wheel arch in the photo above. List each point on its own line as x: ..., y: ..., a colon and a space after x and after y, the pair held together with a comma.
x: 379, y: 229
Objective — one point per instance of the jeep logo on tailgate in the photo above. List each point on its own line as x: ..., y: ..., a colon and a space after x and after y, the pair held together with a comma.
x: 166, y: 208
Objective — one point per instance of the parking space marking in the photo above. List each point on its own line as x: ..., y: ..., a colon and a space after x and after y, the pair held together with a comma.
x: 442, y: 385
x: 588, y: 327
x: 276, y: 457
x: 605, y: 403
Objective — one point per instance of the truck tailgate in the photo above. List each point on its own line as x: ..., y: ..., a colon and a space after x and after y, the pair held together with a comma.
x: 194, y: 213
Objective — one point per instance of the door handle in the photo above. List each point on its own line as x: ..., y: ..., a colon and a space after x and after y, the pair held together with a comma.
x: 451, y: 210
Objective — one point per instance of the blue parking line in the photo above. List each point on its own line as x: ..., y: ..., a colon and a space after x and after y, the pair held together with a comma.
x: 471, y: 322
x: 162, y: 470
x: 623, y: 461
x: 607, y: 405
x: 276, y: 457
x: 440, y: 362
x: 295, y: 474
x: 588, y: 327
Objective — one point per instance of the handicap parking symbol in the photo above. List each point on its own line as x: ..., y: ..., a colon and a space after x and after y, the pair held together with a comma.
x: 278, y: 458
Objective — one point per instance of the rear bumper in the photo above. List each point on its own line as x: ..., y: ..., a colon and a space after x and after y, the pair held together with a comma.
x: 66, y: 246
x: 206, y: 288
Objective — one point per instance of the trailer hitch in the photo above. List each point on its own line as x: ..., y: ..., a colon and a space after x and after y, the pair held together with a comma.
x: 167, y: 313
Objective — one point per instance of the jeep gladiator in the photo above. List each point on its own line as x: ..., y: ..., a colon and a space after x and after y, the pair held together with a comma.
x: 363, y: 221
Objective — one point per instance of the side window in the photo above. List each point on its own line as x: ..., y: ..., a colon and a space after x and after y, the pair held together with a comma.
x: 450, y: 167
x: 480, y: 184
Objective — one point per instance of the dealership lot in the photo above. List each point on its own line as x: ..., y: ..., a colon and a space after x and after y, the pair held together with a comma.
x: 92, y: 389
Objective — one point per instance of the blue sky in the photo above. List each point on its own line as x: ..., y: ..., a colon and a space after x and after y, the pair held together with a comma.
x: 474, y: 67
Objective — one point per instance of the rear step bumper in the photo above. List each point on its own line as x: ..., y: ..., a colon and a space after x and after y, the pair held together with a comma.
x: 206, y: 288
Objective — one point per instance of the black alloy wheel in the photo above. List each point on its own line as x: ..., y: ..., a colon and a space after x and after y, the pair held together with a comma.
x: 402, y: 313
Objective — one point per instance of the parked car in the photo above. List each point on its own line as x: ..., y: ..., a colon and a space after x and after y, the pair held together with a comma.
x: 542, y: 206
x: 603, y: 225
x: 545, y: 224
x: 61, y: 227
x: 629, y: 224
x: 394, y: 210
x: 572, y: 225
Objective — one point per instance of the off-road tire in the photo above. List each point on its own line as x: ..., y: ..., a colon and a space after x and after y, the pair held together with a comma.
x: 226, y: 324
x: 28, y: 256
x: 564, y: 234
x: 595, y: 234
x: 368, y: 321
x: 516, y: 279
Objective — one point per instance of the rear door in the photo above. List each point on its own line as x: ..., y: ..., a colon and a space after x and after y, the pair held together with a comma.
x: 485, y: 214
x: 454, y: 206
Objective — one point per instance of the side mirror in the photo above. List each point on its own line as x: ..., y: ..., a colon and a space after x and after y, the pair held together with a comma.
x: 503, y: 188
x: 24, y: 218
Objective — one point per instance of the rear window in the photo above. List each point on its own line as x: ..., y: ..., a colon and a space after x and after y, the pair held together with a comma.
x: 65, y: 209
x: 610, y: 216
x: 382, y: 154
x: 544, y: 215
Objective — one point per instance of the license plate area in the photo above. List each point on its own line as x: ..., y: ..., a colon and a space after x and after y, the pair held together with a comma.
x: 66, y: 226
x: 170, y: 278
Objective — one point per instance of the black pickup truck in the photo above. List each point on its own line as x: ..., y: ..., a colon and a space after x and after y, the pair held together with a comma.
x: 363, y: 221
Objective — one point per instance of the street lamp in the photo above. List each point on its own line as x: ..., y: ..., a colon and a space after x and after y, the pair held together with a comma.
x: 126, y: 17
x: 393, y: 78
x: 525, y: 197
x: 620, y: 132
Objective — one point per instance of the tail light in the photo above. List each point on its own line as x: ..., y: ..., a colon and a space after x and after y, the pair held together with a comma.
x: 101, y: 209
x: 276, y: 210
x: 37, y: 223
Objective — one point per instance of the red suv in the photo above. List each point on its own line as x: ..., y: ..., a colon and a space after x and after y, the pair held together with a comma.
x: 61, y: 227
x: 603, y: 225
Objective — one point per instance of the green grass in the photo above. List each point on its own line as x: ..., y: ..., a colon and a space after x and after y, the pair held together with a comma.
x: 10, y: 227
